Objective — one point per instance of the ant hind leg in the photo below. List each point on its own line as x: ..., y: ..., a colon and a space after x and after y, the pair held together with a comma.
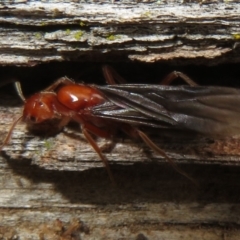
x: 175, y: 74
x: 158, y: 150
x: 111, y: 76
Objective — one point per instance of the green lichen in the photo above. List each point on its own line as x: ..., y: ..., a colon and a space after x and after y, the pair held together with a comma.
x: 43, y: 24
x: 38, y: 35
x: 68, y: 31
x: 82, y: 24
x: 48, y: 144
x: 37, y: 152
x: 112, y: 37
x: 236, y: 36
x: 146, y: 14
x: 78, y: 35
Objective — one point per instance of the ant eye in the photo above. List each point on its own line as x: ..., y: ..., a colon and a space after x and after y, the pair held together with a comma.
x: 40, y: 103
x: 32, y: 119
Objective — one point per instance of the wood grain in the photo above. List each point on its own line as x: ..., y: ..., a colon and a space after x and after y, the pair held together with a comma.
x: 55, y: 187
x: 34, y: 32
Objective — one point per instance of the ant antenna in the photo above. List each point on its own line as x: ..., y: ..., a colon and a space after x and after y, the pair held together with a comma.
x: 8, y: 137
x: 18, y: 88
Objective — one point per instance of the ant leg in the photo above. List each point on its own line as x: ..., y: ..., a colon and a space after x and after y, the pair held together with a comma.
x: 64, y: 121
x: 111, y: 76
x: 173, y: 75
x: 92, y: 128
x: 103, y: 134
x: 98, y: 151
x: 88, y: 127
x: 134, y: 132
x: 62, y: 80
x: 158, y: 150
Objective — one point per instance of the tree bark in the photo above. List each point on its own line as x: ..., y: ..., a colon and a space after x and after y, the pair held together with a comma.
x: 55, y: 187
x: 33, y: 32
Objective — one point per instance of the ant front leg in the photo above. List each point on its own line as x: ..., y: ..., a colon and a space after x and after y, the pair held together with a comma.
x: 94, y: 145
x: 60, y: 81
x: 88, y: 128
x: 111, y: 76
x: 173, y: 75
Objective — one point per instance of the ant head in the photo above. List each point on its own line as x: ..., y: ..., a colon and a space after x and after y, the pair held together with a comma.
x: 39, y: 107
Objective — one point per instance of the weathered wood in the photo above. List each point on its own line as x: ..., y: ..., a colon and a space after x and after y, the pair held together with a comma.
x: 151, y: 201
x: 60, y: 177
x: 48, y: 178
x: 70, y: 151
x: 33, y: 32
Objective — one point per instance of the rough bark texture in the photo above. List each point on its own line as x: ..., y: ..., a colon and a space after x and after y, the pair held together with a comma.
x: 37, y: 31
x: 56, y: 187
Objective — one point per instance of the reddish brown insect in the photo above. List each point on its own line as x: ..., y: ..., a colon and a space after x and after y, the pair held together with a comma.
x: 100, y: 110
x: 67, y: 100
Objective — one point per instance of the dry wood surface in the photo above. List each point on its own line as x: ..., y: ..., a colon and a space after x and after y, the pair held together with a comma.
x: 55, y: 187
x: 204, y: 32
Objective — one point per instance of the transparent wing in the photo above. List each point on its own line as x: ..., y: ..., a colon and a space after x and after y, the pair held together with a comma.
x: 207, y: 110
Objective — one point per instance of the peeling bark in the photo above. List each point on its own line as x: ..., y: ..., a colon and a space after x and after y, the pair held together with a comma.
x: 55, y: 187
x: 184, y: 33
